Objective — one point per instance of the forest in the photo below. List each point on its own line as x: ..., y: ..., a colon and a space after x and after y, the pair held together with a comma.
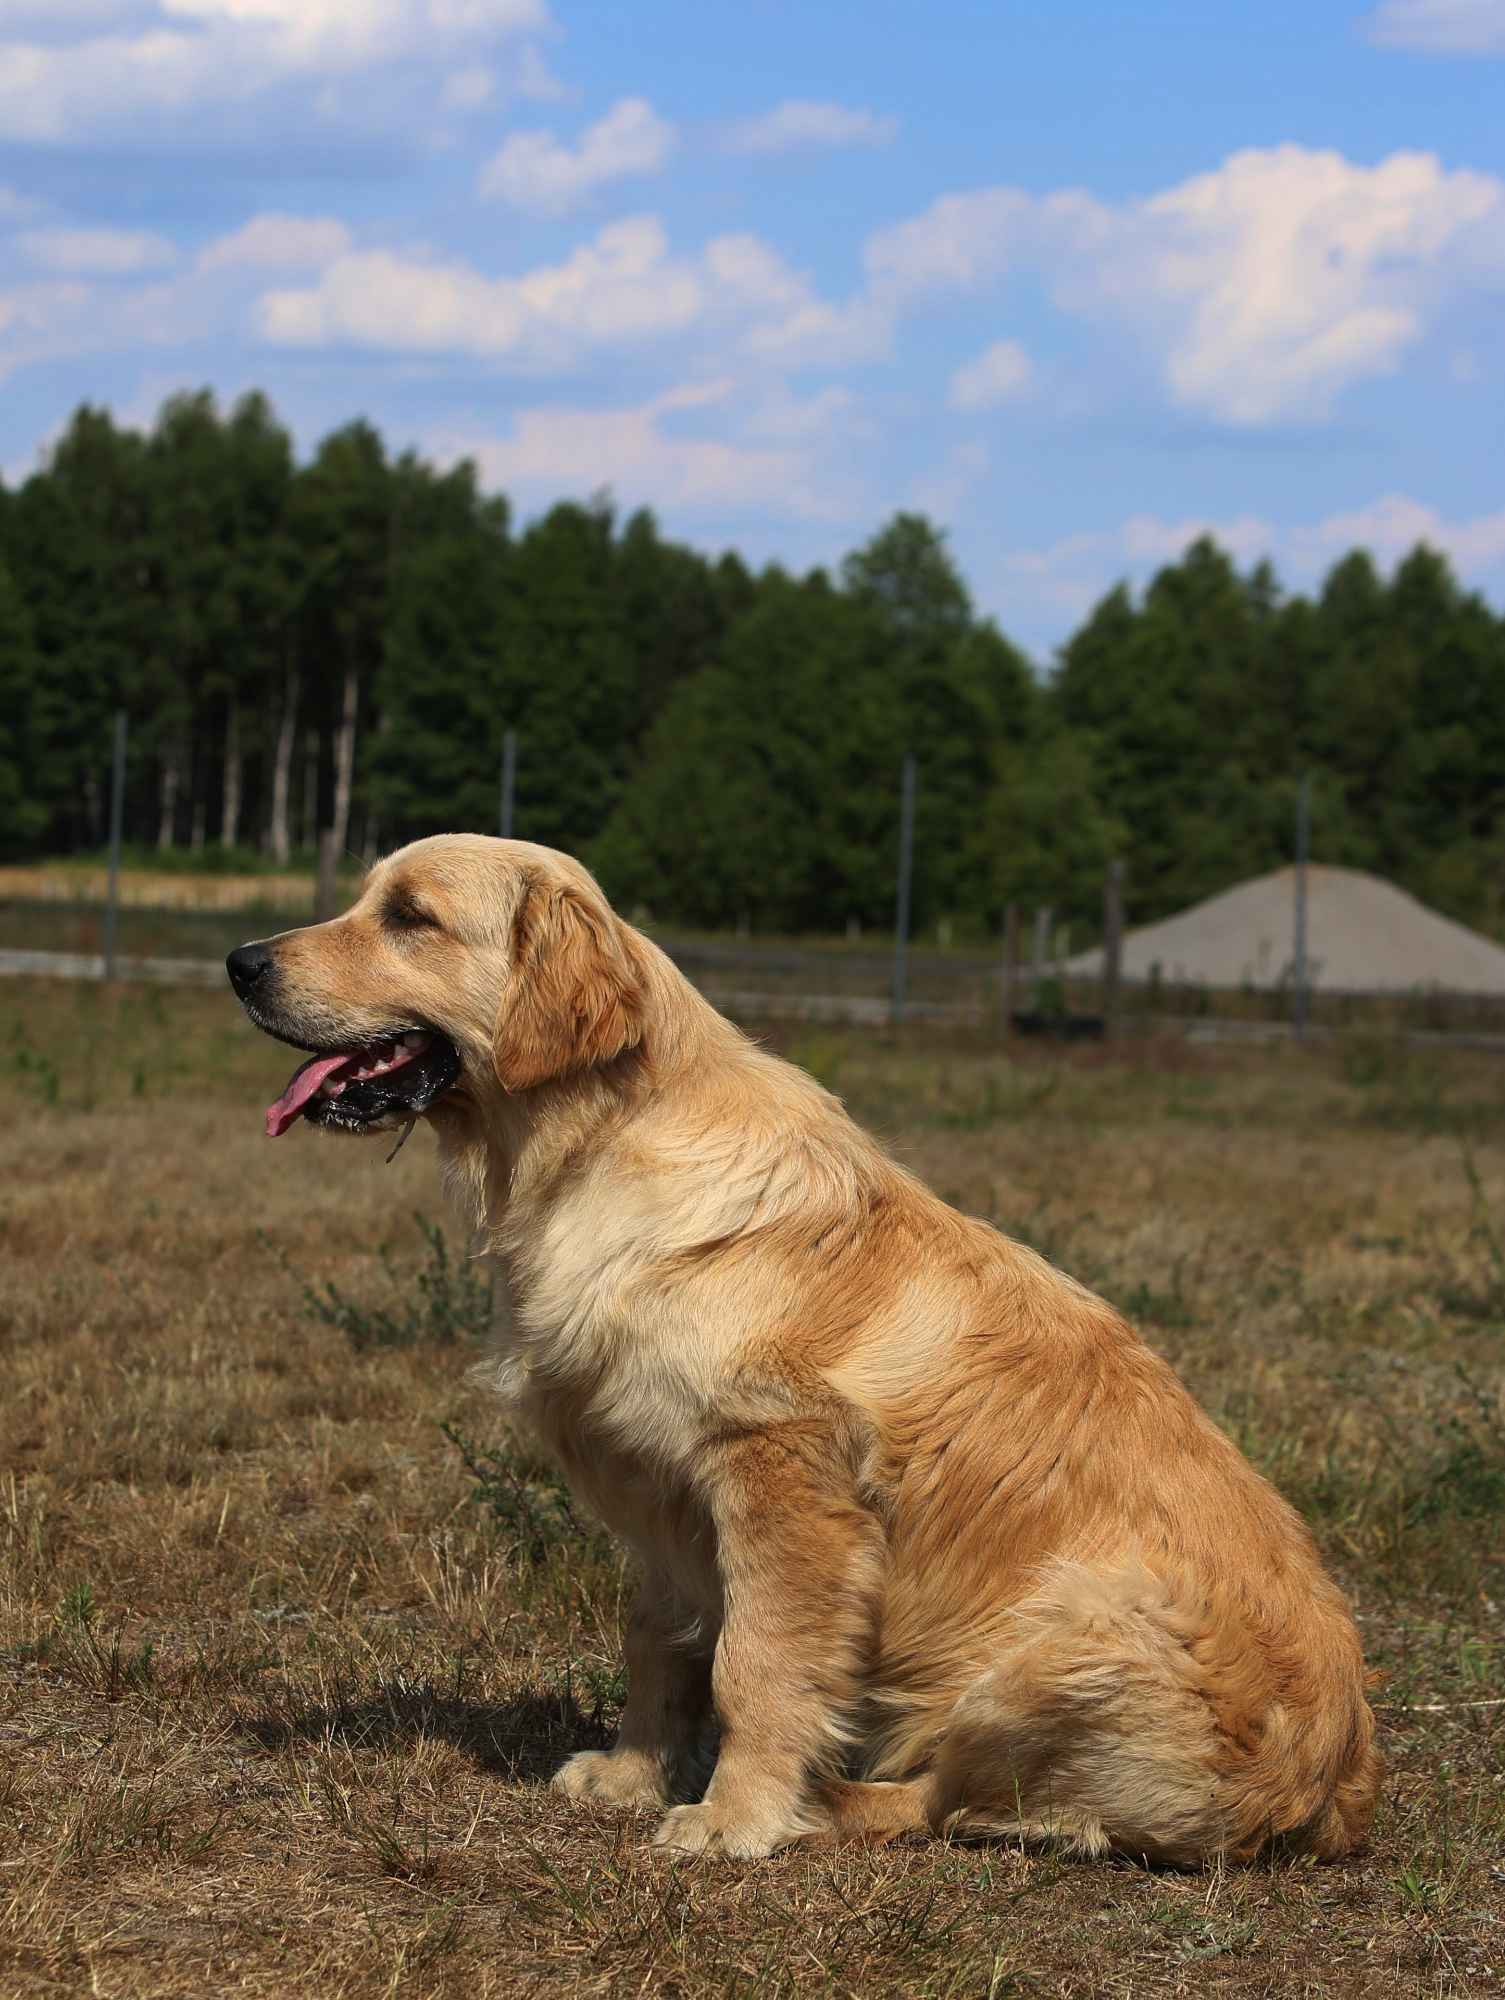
x: 341, y: 643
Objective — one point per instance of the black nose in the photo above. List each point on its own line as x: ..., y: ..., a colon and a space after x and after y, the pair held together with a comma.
x: 246, y: 964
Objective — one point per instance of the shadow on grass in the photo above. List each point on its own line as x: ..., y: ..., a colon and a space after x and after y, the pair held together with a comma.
x: 523, y: 1740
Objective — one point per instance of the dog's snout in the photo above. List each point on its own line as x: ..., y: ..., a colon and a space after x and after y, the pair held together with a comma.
x: 246, y: 965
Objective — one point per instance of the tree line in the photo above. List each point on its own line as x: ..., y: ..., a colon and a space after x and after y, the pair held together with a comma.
x: 341, y: 643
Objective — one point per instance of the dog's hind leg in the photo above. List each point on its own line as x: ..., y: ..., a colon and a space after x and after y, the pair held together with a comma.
x: 1093, y: 1729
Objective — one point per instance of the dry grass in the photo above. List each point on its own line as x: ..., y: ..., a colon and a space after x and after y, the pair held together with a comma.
x: 157, y: 888
x: 279, y: 1696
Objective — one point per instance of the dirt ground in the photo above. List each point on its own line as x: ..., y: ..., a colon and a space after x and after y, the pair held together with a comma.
x: 290, y: 1639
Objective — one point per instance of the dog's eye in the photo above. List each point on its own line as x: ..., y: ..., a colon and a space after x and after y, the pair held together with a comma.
x: 406, y: 916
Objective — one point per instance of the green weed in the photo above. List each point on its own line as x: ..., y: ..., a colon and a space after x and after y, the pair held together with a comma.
x: 39, y: 1075
x: 525, y: 1499
x: 442, y: 1303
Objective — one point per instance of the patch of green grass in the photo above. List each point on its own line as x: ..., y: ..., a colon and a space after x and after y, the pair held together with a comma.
x: 524, y: 1499
x: 442, y: 1303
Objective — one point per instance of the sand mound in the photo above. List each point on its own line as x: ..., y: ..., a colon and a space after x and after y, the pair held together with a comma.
x: 1363, y: 935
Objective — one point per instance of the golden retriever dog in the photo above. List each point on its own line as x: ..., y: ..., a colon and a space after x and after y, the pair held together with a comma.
x: 930, y: 1538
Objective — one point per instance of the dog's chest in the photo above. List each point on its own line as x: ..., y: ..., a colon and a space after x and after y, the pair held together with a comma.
x: 589, y: 1369
x: 624, y: 1434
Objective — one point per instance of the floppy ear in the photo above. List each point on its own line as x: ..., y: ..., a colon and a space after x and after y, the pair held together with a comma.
x: 575, y: 998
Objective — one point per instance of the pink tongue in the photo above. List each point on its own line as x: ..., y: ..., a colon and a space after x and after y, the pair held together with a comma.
x: 301, y: 1086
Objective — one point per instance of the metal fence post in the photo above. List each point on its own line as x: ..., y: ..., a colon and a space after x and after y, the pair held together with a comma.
x: 117, y: 826
x: 1010, y: 965
x: 509, y: 780
x: 1298, y: 972
x: 1113, y: 945
x: 906, y: 880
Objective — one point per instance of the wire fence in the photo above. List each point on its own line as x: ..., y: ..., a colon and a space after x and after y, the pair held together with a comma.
x: 177, y: 929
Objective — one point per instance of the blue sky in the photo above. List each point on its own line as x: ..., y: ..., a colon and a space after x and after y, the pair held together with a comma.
x: 1078, y: 280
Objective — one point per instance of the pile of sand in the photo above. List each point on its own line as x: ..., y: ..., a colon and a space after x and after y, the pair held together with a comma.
x: 1363, y: 935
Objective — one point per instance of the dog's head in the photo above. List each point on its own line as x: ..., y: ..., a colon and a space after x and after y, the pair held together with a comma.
x: 468, y: 966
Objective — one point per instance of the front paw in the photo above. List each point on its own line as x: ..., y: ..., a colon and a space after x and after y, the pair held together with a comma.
x: 745, y: 1836
x: 620, y: 1777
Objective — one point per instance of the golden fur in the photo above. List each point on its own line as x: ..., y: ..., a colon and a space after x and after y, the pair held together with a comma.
x: 928, y: 1533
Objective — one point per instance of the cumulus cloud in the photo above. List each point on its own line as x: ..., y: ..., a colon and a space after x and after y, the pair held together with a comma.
x: 802, y: 123
x: 279, y: 242
x: 96, y: 252
x: 1440, y: 27
x: 658, y: 453
x: 944, y: 492
x: 31, y: 316
x: 999, y: 373
x: 1391, y: 527
x: 1065, y: 578
x: 539, y: 173
x: 624, y: 285
x: 1261, y: 289
x: 469, y: 89
x: 63, y: 13
x: 97, y: 70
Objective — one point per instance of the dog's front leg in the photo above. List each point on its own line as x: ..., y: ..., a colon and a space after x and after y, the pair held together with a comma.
x: 800, y: 1566
x: 668, y: 1694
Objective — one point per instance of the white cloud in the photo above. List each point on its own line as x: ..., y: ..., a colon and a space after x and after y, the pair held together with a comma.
x: 622, y: 286
x: 357, y: 32
x: 1064, y: 579
x: 999, y: 373
x: 31, y: 315
x: 1391, y: 527
x: 1440, y: 27
x: 943, y: 493
x: 469, y: 89
x: 97, y: 252
x: 539, y: 173
x: 1262, y: 289
x: 646, y: 456
x: 533, y: 78
x: 271, y: 241
x: 63, y: 13
x: 190, y: 55
x: 800, y: 123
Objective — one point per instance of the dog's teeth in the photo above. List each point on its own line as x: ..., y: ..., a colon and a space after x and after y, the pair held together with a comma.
x: 414, y: 1041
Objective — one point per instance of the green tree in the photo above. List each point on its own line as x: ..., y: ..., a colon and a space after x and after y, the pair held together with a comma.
x: 567, y: 679
x: 1046, y: 833
x: 23, y: 809
x: 79, y: 553
x: 441, y: 694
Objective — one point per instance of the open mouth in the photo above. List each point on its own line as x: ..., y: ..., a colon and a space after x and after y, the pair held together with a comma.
x: 362, y: 1089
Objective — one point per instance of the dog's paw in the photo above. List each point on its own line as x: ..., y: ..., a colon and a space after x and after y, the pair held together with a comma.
x: 620, y: 1777
x: 709, y: 1828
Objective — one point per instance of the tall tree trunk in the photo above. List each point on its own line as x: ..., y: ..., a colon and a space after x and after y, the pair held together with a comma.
x: 344, y: 759
x: 199, y: 810
x: 167, y: 809
x: 280, y: 839
x: 229, y: 820
x: 308, y: 817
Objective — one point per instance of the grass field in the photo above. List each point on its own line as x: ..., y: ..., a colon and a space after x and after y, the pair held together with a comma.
x: 282, y: 1674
